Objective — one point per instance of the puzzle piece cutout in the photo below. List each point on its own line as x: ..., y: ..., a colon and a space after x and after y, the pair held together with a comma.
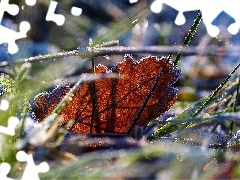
x: 10, y: 129
x: 7, y: 35
x: 12, y: 9
x: 4, y: 170
x: 31, y: 170
x: 10, y: 36
x: 76, y: 11
x: 133, y: 1
x: 59, y: 19
x: 4, y: 104
x: 30, y: 2
x: 210, y: 11
x: 231, y: 7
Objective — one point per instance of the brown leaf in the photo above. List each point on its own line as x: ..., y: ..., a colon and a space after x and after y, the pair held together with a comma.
x: 110, y: 105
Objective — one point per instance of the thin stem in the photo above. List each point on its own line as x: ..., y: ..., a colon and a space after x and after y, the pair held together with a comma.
x: 147, y: 97
x: 215, y: 92
x: 237, y: 95
x: 235, y: 103
x: 92, y: 88
x: 84, y: 52
x: 189, y: 36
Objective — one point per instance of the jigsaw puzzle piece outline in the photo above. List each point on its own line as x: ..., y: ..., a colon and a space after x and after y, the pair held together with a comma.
x: 10, y: 129
x: 76, y: 11
x: 31, y: 170
x: 4, y: 170
x: 189, y: 5
x: 59, y: 19
x: 30, y: 2
x: 10, y: 36
x: 210, y: 11
x: 4, y: 104
x: 12, y: 9
x: 234, y: 12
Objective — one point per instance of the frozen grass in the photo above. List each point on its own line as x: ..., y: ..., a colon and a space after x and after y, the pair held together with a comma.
x: 201, y: 142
